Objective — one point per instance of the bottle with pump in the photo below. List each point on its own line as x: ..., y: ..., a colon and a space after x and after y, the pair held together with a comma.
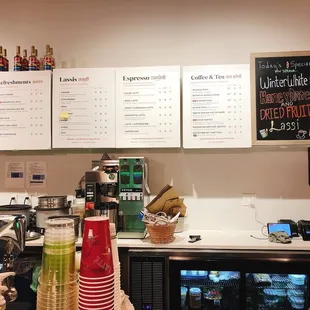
x: 1, y: 59
x: 6, y: 61
x: 32, y: 60
x: 4, y: 288
x: 52, y: 58
x: 47, y: 61
x: 17, y: 60
x: 25, y: 62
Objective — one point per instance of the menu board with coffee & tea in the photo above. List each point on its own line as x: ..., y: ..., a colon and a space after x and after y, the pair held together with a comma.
x: 281, y: 98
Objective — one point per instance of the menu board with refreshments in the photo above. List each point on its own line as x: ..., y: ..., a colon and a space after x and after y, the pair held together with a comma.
x: 216, y: 106
x: 281, y: 98
x: 25, y: 110
x: 148, y: 107
x: 84, y: 108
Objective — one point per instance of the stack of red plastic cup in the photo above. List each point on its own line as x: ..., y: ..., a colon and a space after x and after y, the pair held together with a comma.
x: 96, y: 289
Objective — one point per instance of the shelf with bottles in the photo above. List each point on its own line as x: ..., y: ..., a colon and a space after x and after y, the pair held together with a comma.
x: 276, y: 281
x: 209, y: 298
x: 208, y: 283
x: 211, y: 278
x: 31, y: 63
x: 276, y: 291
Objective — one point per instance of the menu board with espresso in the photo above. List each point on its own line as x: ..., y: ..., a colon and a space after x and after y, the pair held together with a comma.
x: 281, y: 98
x: 148, y: 107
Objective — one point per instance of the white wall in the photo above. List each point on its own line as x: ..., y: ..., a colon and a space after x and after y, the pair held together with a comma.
x: 96, y: 33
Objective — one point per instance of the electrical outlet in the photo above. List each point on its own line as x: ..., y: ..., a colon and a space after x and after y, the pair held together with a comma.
x: 248, y: 200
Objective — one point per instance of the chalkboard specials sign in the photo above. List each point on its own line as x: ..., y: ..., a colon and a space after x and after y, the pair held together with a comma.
x: 281, y: 98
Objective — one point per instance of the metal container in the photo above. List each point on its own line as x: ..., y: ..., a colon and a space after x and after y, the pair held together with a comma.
x: 75, y: 218
x: 53, y: 202
x: 50, y: 206
x: 16, y: 209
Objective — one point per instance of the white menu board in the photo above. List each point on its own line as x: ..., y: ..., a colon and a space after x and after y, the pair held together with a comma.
x: 84, y: 108
x: 25, y: 110
x: 148, y: 107
x: 216, y: 106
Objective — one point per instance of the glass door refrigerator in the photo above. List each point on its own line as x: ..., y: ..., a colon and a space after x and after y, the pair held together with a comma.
x: 197, y: 284
x: 244, y: 283
x: 271, y: 285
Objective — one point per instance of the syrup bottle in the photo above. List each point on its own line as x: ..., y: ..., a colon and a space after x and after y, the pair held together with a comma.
x: 6, y: 61
x: 32, y: 60
x: 52, y: 58
x: 1, y: 59
x: 47, y: 61
x: 38, y: 63
x: 25, y: 62
x: 17, y: 60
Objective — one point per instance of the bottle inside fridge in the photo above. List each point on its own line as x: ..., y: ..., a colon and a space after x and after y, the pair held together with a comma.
x: 276, y: 291
x: 210, y: 289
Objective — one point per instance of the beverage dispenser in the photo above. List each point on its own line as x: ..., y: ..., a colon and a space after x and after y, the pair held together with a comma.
x: 132, y: 184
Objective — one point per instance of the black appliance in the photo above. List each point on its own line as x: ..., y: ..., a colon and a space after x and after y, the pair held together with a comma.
x: 304, y: 229
x: 218, y: 279
x: 294, y: 226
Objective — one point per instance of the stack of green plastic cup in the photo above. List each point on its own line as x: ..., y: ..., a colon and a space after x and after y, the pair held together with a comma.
x: 58, y: 281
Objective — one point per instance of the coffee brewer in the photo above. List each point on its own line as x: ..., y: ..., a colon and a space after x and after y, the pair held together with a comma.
x: 117, y: 188
x: 101, y: 189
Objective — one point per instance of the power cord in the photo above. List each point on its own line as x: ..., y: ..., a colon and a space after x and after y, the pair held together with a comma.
x: 262, y: 229
x: 263, y: 233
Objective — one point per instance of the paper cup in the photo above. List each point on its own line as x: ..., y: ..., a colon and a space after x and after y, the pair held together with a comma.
x: 97, y: 279
x: 96, y: 306
x: 92, y: 292
x: 93, y: 300
x: 96, y: 283
x: 94, y: 286
x: 96, y: 259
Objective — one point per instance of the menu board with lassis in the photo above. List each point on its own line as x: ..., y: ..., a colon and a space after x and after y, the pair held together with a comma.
x: 84, y: 108
x: 281, y: 98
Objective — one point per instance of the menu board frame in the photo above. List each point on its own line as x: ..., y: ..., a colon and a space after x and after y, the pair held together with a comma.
x: 255, y: 141
x: 223, y: 107
x: 98, y: 85
x: 31, y: 92
x: 165, y: 84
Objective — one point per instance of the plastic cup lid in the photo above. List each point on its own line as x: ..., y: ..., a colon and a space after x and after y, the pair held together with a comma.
x: 96, y: 218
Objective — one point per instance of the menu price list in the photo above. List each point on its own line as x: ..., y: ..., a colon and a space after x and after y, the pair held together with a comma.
x: 216, y: 106
x: 84, y: 108
x: 148, y: 107
x: 25, y: 110
x: 282, y: 95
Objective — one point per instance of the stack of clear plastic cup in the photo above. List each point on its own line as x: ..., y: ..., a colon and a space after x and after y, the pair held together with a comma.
x: 58, y: 281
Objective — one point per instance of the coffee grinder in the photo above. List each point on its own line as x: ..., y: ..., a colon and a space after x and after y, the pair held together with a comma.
x: 101, y: 189
x: 132, y: 186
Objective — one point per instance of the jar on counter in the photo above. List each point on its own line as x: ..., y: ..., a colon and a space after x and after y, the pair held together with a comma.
x: 195, y: 298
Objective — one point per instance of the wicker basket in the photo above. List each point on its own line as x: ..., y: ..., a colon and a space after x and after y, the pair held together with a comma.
x: 160, y: 234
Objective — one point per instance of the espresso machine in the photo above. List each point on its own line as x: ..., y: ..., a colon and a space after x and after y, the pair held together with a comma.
x: 101, y: 189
